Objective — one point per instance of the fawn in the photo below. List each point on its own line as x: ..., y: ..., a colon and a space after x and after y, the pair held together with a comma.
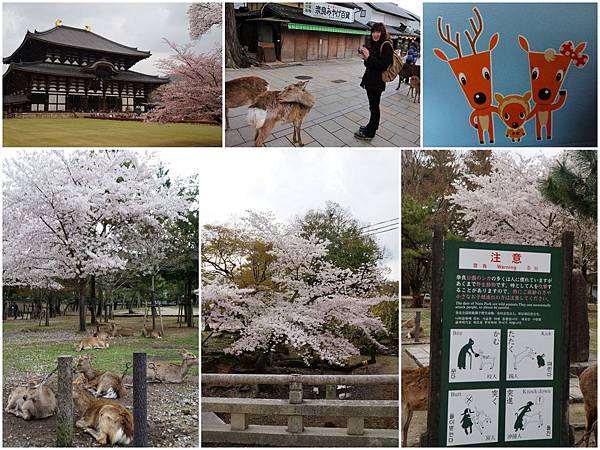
x: 547, y: 72
x: 514, y: 110
x: 242, y: 91
x: 415, y: 88
x: 474, y: 74
x: 90, y: 343
x: 290, y: 105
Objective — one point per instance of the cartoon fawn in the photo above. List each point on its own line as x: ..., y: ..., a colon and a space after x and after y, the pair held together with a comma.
x: 514, y: 110
x: 547, y: 72
x: 290, y: 105
x: 474, y: 74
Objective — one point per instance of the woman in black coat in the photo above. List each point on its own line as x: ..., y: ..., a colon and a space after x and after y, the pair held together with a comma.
x: 378, y: 56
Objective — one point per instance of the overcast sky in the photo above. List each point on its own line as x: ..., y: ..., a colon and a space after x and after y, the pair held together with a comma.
x: 141, y: 25
x: 288, y: 183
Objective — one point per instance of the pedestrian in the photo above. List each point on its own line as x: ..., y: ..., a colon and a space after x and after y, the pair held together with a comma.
x: 377, y: 55
x: 413, y: 52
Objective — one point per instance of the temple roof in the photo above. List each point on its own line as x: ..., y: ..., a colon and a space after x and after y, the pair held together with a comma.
x: 73, y: 71
x: 79, y: 38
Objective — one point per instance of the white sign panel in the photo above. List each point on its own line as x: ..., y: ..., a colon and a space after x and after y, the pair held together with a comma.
x: 474, y: 355
x: 329, y: 11
x: 507, y: 260
x: 528, y: 414
x: 530, y: 355
x: 472, y: 417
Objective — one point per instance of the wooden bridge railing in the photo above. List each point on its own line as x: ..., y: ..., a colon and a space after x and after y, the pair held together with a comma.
x: 240, y: 432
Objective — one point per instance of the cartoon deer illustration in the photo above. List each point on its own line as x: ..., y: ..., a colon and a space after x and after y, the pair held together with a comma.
x: 547, y: 72
x: 474, y: 74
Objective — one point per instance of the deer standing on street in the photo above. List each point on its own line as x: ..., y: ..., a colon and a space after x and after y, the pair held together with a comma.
x: 547, y: 72
x: 169, y: 372
x: 291, y: 105
x: 241, y: 92
x: 474, y: 74
x: 415, y: 387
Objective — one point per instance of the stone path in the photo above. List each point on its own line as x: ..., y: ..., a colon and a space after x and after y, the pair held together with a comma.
x: 341, y: 107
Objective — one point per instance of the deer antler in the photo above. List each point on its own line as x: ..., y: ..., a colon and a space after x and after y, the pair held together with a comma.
x: 446, y: 37
x: 477, y: 31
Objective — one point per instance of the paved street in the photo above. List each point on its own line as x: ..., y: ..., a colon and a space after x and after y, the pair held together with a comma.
x: 341, y: 107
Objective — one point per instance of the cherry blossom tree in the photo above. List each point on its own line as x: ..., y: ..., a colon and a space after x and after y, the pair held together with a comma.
x: 308, y: 305
x: 507, y: 206
x: 194, y: 92
x: 69, y: 215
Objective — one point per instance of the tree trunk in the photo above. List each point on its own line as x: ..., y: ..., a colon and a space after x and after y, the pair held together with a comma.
x: 48, y: 302
x: 100, y: 302
x: 189, y: 306
x: 153, y: 306
x: 235, y: 56
x: 93, y: 299
x: 82, y: 304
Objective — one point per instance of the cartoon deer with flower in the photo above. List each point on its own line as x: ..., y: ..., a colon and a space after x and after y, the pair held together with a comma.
x: 474, y: 74
x: 547, y: 72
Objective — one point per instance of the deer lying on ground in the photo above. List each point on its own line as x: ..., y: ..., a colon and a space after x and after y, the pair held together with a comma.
x: 169, y: 372
x: 107, y: 421
x: 241, y: 92
x: 149, y: 333
x: 102, y: 334
x: 90, y: 343
x: 415, y: 386
x: 120, y: 331
x: 101, y: 384
x: 34, y: 401
x: 291, y: 105
x: 588, y: 380
x: 412, y: 329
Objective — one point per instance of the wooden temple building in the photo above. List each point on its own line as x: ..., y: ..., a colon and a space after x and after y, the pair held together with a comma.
x: 73, y: 69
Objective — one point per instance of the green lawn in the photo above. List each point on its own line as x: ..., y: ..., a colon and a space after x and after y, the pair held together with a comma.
x: 106, y: 133
x: 28, y: 346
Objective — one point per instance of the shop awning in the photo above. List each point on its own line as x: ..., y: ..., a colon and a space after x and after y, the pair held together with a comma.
x: 325, y: 29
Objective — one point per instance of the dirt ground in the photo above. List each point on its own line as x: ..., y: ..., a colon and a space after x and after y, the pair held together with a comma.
x: 173, y: 409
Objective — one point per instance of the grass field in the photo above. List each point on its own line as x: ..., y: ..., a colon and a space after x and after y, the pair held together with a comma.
x: 106, y: 133
x: 29, y: 347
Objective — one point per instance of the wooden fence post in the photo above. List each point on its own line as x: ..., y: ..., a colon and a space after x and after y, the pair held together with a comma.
x: 435, y: 340
x: 567, y: 247
x: 140, y: 405
x: 64, y: 410
x: 417, y: 326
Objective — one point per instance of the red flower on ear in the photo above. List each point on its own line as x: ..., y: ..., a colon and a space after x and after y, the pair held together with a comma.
x: 575, y: 53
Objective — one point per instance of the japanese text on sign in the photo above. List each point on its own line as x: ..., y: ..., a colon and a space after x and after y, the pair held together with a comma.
x: 328, y: 11
x: 478, y: 259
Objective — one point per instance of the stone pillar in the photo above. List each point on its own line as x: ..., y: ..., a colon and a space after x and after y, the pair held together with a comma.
x: 295, y: 422
x: 579, y: 336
